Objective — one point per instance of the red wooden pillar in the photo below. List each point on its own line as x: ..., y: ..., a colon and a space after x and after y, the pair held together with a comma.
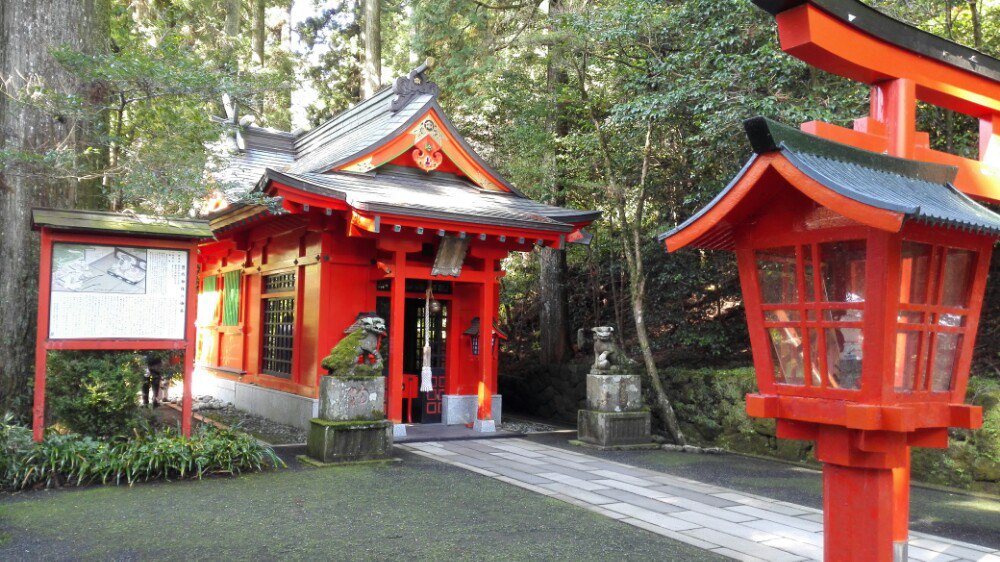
x: 191, y: 337
x: 858, y: 506
x: 397, y: 312
x: 898, y: 111
x: 989, y: 138
x: 901, y: 507
x: 42, y: 336
x: 484, y: 416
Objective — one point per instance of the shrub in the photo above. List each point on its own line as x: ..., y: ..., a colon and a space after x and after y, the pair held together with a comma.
x: 15, y: 443
x: 75, y: 460
x: 95, y: 393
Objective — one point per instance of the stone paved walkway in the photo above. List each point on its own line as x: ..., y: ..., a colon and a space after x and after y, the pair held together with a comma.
x: 724, y: 521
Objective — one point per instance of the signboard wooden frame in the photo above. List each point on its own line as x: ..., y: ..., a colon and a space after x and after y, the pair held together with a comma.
x: 44, y: 344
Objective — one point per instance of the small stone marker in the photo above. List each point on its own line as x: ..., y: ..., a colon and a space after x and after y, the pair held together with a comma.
x: 615, y: 416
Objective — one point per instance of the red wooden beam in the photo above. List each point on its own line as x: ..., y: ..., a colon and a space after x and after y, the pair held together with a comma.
x: 830, y: 44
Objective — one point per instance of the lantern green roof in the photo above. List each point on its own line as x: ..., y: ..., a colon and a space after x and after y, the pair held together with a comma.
x: 920, y: 191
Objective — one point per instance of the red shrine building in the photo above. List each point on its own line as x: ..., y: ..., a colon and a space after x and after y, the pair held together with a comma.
x: 383, y: 209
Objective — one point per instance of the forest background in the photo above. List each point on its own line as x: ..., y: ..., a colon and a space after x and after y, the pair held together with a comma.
x: 632, y: 107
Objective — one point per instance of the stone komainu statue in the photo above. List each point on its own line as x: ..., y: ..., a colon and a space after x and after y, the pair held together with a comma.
x: 606, y: 353
x: 357, y: 354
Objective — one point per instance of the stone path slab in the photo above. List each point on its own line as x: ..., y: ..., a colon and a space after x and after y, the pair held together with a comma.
x: 727, y: 522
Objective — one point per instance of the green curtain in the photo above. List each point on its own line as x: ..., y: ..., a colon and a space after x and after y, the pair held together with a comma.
x: 208, y: 285
x: 231, y: 298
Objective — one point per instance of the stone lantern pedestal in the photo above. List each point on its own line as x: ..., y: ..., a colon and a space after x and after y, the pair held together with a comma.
x: 351, y: 426
x: 615, y: 416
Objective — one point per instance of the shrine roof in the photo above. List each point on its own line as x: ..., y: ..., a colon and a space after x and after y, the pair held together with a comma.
x: 918, y: 191
x: 120, y: 224
x: 353, y: 158
x: 877, y: 24
x: 353, y: 133
x: 396, y: 190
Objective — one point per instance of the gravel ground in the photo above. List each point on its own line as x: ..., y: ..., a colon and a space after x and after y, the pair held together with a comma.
x: 518, y: 425
x: 261, y: 428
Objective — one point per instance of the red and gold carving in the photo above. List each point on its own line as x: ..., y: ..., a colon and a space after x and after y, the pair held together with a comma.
x: 427, y: 155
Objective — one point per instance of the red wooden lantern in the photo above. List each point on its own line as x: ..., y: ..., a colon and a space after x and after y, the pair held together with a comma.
x: 863, y: 264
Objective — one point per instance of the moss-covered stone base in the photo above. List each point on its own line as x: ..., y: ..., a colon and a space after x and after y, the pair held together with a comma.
x: 349, y: 441
x: 307, y: 460
x: 614, y: 429
x: 637, y: 447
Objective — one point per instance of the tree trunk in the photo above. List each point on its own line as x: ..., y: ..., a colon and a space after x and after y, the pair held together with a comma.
x: 554, y: 326
x: 977, y: 25
x: 233, y: 13
x: 637, y: 286
x: 631, y: 240
x: 372, y: 79
x: 554, y: 337
x: 259, y: 30
x: 28, y: 31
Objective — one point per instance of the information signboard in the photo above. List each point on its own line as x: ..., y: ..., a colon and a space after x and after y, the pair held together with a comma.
x: 103, y: 291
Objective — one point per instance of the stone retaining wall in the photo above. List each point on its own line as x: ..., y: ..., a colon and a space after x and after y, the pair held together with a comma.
x: 554, y: 392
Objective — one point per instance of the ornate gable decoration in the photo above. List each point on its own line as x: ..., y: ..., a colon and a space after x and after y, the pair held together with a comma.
x: 412, y: 85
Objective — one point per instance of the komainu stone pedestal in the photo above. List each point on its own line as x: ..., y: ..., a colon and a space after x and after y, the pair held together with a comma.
x: 349, y: 441
x: 351, y: 426
x: 615, y: 415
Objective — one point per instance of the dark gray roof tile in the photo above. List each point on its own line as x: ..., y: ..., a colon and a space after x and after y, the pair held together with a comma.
x: 436, y: 196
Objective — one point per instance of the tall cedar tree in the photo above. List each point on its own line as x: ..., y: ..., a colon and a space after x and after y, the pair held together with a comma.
x: 29, y: 31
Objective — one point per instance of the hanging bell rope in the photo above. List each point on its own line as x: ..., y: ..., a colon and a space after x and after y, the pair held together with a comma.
x: 425, y: 372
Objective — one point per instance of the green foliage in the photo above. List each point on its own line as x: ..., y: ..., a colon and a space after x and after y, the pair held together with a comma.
x: 74, y: 460
x: 15, y: 443
x: 95, y: 393
x: 972, y: 459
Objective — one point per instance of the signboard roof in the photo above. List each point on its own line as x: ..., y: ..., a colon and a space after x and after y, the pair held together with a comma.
x: 121, y: 224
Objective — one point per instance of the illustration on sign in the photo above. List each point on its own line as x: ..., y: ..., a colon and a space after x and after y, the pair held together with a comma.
x: 117, y: 292
x: 98, y: 269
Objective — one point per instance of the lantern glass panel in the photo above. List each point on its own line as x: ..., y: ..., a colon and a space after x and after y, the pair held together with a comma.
x: 907, y: 359
x: 816, y: 358
x: 929, y: 340
x: 776, y: 268
x: 957, y: 277
x: 945, y: 357
x: 843, y: 265
x: 781, y: 315
x: 843, y: 350
x: 843, y: 274
x: 915, y: 268
x: 786, y: 355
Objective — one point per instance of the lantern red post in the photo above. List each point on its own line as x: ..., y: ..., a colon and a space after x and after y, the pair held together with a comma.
x: 862, y: 264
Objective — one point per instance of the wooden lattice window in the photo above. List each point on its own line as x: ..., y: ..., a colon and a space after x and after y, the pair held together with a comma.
x: 231, y: 298
x: 278, y: 327
x: 279, y: 282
